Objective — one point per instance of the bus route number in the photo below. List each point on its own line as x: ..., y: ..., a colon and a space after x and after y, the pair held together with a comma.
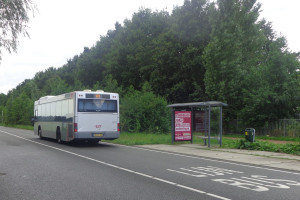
x: 98, y: 126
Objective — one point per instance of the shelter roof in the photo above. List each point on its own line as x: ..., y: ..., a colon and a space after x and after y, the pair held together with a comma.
x: 199, y: 104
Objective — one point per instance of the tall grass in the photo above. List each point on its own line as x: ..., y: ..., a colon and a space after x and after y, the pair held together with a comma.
x: 142, y: 139
x: 281, y: 138
x: 267, y: 146
x: 149, y: 138
x: 26, y: 127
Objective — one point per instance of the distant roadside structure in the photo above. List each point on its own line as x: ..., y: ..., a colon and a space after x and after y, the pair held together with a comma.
x: 203, y: 118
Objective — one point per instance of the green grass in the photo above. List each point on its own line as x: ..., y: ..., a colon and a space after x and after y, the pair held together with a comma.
x: 26, y: 127
x: 149, y: 138
x: 228, y: 141
x: 242, y: 136
x: 142, y: 139
x: 294, y: 139
x: 267, y: 146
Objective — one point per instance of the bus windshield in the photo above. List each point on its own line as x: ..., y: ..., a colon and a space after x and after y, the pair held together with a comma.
x: 97, y: 105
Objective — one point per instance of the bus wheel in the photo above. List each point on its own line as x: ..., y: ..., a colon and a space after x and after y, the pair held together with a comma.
x: 58, y: 137
x: 40, y: 133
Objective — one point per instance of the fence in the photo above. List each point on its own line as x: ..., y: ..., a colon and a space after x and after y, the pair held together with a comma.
x: 284, y: 128
x: 281, y: 128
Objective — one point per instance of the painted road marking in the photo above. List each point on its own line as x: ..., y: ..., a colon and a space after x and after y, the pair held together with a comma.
x: 201, y: 158
x: 258, y: 183
x: 121, y: 168
x: 204, y: 171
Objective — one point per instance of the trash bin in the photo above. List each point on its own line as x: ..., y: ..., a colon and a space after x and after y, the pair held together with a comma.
x: 250, y: 134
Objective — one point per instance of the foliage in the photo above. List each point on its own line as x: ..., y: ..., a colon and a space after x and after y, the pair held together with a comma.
x: 19, y: 110
x: 2, y: 114
x: 248, y: 67
x: 13, y: 22
x: 143, y: 111
x: 258, y: 137
x: 203, y: 50
x: 233, y: 52
x: 141, y: 138
x: 266, y: 146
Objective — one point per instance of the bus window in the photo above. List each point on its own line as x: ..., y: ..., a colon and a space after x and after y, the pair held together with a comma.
x: 97, y: 105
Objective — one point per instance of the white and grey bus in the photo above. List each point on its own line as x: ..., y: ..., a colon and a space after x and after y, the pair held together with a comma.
x: 79, y: 115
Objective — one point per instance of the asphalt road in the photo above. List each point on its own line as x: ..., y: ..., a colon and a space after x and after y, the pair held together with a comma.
x: 31, y: 168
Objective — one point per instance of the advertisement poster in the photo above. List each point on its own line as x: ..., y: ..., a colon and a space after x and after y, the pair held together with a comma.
x: 183, y: 125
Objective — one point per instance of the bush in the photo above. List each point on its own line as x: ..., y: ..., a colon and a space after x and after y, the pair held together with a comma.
x: 19, y: 110
x: 267, y: 146
x: 142, y: 111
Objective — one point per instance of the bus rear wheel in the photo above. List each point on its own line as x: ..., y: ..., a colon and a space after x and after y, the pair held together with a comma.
x: 58, y: 137
x: 40, y: 133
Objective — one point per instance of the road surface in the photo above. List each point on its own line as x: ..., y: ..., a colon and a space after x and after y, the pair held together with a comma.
x: 31, y: 168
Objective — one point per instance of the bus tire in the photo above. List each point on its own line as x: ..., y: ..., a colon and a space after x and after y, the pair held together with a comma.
x: 40, y: 133
x: 58, y: 136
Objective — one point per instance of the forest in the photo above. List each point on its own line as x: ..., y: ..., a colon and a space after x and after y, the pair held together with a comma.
x: 201, y: 51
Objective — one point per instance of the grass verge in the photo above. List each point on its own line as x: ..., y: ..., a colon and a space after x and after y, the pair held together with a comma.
x: 149, y: 138
x: 228, y: 141
x: 242, y: 136
x: 26, y: 127
x: 142, y: 139
x: 267, y: 146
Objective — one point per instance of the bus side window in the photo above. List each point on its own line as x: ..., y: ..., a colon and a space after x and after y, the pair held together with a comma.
x: 80, y: 106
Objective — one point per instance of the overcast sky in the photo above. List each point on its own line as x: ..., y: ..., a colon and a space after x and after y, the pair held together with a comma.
x: 62, y: 28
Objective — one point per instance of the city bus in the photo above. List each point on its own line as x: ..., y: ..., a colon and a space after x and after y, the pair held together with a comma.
x: 78, y: 116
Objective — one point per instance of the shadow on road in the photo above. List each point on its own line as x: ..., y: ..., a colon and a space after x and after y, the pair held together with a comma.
x: 77, y: 144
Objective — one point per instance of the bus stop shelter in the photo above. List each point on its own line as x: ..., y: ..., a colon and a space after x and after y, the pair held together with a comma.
x: 190, y: 117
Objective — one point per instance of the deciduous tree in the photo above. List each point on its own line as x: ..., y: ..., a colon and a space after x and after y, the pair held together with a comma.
x: 14, y: 18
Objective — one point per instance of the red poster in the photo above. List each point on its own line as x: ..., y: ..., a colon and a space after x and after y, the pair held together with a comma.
x: 183, y: 125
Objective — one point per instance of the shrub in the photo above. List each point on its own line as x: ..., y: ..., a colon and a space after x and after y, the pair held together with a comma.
x: 267, y: 146
x: 143, y: 111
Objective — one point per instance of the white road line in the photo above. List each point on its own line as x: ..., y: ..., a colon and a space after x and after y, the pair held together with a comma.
x: 201, y: 158
x: 171, y: 170
x: 120, y: 168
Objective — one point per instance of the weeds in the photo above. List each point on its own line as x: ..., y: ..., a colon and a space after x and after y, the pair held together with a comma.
x: 266, y: 146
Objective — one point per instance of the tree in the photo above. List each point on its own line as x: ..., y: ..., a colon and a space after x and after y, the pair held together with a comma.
x: 3, y: 99
x: 55, y: 86
x: 248, y: 66
x: 19, y: 110
x: 90, y: 67
x: 13, y: 22
x: 234, y: 52
x: 276, y: 90
x: 130, y: 59
x: 178, y: 67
